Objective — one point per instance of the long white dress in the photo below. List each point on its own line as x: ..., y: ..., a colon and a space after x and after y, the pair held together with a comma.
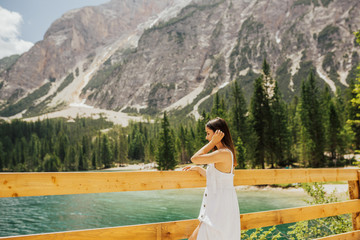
x: 219, y: 213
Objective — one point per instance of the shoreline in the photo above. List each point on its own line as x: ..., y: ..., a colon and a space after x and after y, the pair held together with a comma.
x: 134, y: 167
x: 341, y: 188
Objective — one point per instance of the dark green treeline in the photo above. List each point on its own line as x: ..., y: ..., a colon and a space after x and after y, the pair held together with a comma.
x: 315, y: 130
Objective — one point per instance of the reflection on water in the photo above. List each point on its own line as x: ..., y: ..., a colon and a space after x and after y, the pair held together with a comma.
x: 30, y: 215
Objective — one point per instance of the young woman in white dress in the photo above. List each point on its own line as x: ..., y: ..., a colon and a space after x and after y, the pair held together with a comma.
x: 219, y: 215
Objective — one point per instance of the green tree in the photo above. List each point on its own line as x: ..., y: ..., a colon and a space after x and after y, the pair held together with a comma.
x: 105, y: 151
x: 35, y: 152
x: 182, y: 145
x: 165, y: 156
x: 239, y: 113
x: 51, y: 163
x: 123, y: 148
x: 354, y: 105
x: 83, y: 161
x: 2, y: 162
x: 86, y: 147
x: 137, y: 147
x: 241, y: 153
x: 94, y: 160
x: 63, y: 145
x: 136, y: 142
x: 312, y: 122
x: 200, y: 139
x: 72, y: 159
x: 294, y: 126
x: 215, y: 111
x: 334, y: 141
x: 116, y: 151
x: 280, y: 135
x: 260, y: 121
x: 266, y: 68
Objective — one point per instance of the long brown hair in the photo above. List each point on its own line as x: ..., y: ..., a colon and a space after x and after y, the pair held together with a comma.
x: 220, y: 124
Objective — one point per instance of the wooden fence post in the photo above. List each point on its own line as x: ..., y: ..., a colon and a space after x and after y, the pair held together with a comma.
x: 354, y: 193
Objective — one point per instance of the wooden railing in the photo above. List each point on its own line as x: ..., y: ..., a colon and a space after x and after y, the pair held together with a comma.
x: 39, y: 184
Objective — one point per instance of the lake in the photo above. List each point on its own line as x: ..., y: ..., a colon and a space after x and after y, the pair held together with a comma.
x: 43, y: 214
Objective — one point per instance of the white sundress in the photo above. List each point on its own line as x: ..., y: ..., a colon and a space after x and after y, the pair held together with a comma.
x: 219, y: 213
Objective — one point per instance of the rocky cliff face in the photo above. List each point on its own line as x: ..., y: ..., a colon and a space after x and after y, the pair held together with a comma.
x: 76, y: 35
x: 180, y: 60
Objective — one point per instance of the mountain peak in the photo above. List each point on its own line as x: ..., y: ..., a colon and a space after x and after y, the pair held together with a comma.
x: 146, y: 55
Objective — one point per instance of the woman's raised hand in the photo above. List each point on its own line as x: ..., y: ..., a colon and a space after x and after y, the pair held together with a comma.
x: 218, y: 135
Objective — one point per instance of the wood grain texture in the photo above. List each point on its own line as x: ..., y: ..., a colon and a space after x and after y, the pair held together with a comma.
x: 59, y: 183
x: 354, y: 193
x: 165, y: 230
x: 276, y: 217
x: 344, y: 236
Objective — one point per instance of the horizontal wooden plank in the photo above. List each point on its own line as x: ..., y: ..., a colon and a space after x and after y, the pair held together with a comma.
x: 344, y: 236
x: 276, y: 217
x: 37, y: 184
x: 183, y: 229
x: 280, y: 176
x: 165, y: 230
x: 59, y: 183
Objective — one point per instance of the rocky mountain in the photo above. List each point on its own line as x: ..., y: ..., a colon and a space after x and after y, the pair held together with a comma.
x: 150, y: 55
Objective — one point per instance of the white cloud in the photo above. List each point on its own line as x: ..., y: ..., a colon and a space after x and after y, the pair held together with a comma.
x: 10, y: 42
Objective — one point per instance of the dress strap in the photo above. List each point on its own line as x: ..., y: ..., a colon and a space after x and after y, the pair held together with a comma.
x: 232, y: 161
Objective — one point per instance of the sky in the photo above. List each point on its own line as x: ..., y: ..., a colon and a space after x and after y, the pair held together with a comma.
x: 24, y: 22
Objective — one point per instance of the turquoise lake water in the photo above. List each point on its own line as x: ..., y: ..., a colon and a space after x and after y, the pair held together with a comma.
x: 43, y: 214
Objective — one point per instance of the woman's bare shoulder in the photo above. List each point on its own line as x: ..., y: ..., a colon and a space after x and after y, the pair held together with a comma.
x: 224, y: 150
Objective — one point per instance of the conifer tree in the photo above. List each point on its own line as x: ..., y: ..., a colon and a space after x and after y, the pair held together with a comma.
x: 51, y: 163
x: 2, y: 162
x: 334, y: 138
x: 182, y: 145
x: 63, y: 145
x: 116, y: 151
x: 312, y: 122
x: 353, y: 112
x: 82, y: 162
x: 35, y: 150
x: 86, y: 147
x: 105, y: 151
x: 165, y: 156
x: 94, y: 160
x: 200, y: 139
x: 215, y: 111
x: 241, y: 153
x: 294, y: 123
x: 123, y: 145
x: 260, y: 114
x: 280, y: 134
x: 340, y: 105
x: 266, y: 68
x: 239, y: 111
x: 354, y: 104
x: 223, y: 109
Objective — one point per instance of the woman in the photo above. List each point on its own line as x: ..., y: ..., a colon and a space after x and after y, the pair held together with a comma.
x: 219, y: 215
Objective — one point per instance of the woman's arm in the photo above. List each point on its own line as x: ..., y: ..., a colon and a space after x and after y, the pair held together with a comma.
x: 203, y: 157
x: 205, y: 149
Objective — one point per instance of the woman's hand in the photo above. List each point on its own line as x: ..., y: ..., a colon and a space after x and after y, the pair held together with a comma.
x: 189, y: 168
x: 218, y: 135
x: 195, y: 168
